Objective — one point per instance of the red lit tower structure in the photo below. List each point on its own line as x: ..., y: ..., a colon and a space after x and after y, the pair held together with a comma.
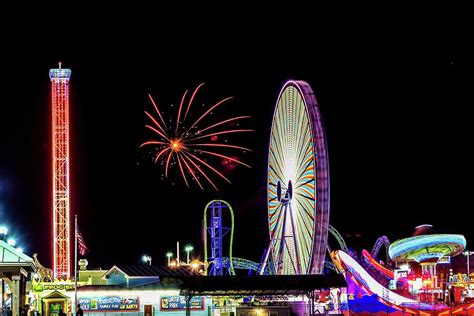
x: 60, y: 145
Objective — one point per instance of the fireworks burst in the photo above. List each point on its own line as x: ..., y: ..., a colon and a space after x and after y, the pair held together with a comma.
x: 183, y: 146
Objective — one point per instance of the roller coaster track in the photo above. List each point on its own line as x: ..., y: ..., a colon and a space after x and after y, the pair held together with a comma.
x: 328, y: 264
x: 339, y: 238
x: 342, y: 244
x: 243, y: 264
x: 230, y: 267
x: 240, y: 263
x: 378, y: 244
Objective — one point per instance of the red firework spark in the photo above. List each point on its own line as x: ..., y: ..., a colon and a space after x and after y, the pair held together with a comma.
x: 182, y: 144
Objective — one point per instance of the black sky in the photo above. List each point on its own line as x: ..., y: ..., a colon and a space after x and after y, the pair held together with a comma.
x: 394, y: 98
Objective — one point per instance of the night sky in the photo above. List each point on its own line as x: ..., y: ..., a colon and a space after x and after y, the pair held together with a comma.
x: 395, y: 103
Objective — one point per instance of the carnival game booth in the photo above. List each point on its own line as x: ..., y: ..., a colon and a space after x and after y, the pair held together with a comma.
x: 141, y: 290
x: 148, y: 290
x: 131, y: 290
x: 52, y: 297
x: 98, y: 300
x: 48, y: 296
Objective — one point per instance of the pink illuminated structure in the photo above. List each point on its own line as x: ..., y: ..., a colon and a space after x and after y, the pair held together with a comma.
x: 60, y: 168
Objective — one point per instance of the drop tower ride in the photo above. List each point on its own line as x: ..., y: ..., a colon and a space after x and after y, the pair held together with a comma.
x: 60, y: 169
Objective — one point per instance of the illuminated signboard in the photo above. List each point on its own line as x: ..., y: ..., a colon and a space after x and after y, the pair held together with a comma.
x: 170, y: 303
x: 39, y: 287
x: 55, y: 287
x: 400, y: 274
x: 460, y: 278
x: 392, y: 285
x: 444, y: 259
x: 109, y: 303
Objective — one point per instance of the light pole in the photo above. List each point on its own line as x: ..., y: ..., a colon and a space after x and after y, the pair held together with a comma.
x: 169, y: 255
x: 147, y: 258
x: 468, y: 253
x: 3, y: 232
x: 188, y: 248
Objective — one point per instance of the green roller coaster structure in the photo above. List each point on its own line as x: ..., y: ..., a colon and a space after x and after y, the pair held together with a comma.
x: 340, y: 240
x: 217, y: 231
x: 342, y: 245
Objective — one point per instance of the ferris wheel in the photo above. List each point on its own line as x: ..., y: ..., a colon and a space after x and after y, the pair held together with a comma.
x: 298, y: 183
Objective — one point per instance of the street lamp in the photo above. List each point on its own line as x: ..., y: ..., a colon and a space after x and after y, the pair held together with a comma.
x: 188, y: 248
x: 3, y: 231
x: 147, y: 258
x: 169, y: 254
x: 468, y: 253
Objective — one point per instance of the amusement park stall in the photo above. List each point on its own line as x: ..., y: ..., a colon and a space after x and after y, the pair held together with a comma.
x: 148, y: 300
x: 130, y: 290
x: 110, y: 300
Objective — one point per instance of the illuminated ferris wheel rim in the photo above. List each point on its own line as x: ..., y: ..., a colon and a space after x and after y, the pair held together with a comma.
x: 321, y: 172
x: 297, y: 84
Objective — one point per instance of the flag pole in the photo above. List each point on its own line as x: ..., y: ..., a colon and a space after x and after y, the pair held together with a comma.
x: 75, y: 266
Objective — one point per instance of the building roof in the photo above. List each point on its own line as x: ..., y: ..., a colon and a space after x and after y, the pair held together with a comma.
x: 99, y: 287
x: 258, y: 285
x: 154, y: 286
x: 141, y: 271
x: 12, y: 260
x: 190, y: 282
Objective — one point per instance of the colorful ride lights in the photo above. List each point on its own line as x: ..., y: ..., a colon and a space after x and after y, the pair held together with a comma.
x: 417, y: 282
x: 412, y: 276
x: 404, y: 266
x: 425, y: 247
x: 468, y: 253
x: 147, y: 259
x: 11, y: 242
x: 415, y: 285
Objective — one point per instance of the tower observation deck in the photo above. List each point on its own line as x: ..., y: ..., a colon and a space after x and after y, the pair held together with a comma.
x: 60, y: 171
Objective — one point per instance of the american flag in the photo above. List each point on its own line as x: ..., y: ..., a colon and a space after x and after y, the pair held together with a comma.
x: 82, y: 244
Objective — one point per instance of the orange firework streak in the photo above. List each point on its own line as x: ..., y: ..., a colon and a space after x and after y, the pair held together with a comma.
x: 181, y: 142
x: 60, y: 167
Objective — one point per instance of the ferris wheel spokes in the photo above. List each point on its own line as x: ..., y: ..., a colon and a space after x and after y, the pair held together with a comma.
x: 286, y: 247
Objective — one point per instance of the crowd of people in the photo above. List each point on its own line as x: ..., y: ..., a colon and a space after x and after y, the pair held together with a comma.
x: 27, y: 311
x: 24, y: 311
